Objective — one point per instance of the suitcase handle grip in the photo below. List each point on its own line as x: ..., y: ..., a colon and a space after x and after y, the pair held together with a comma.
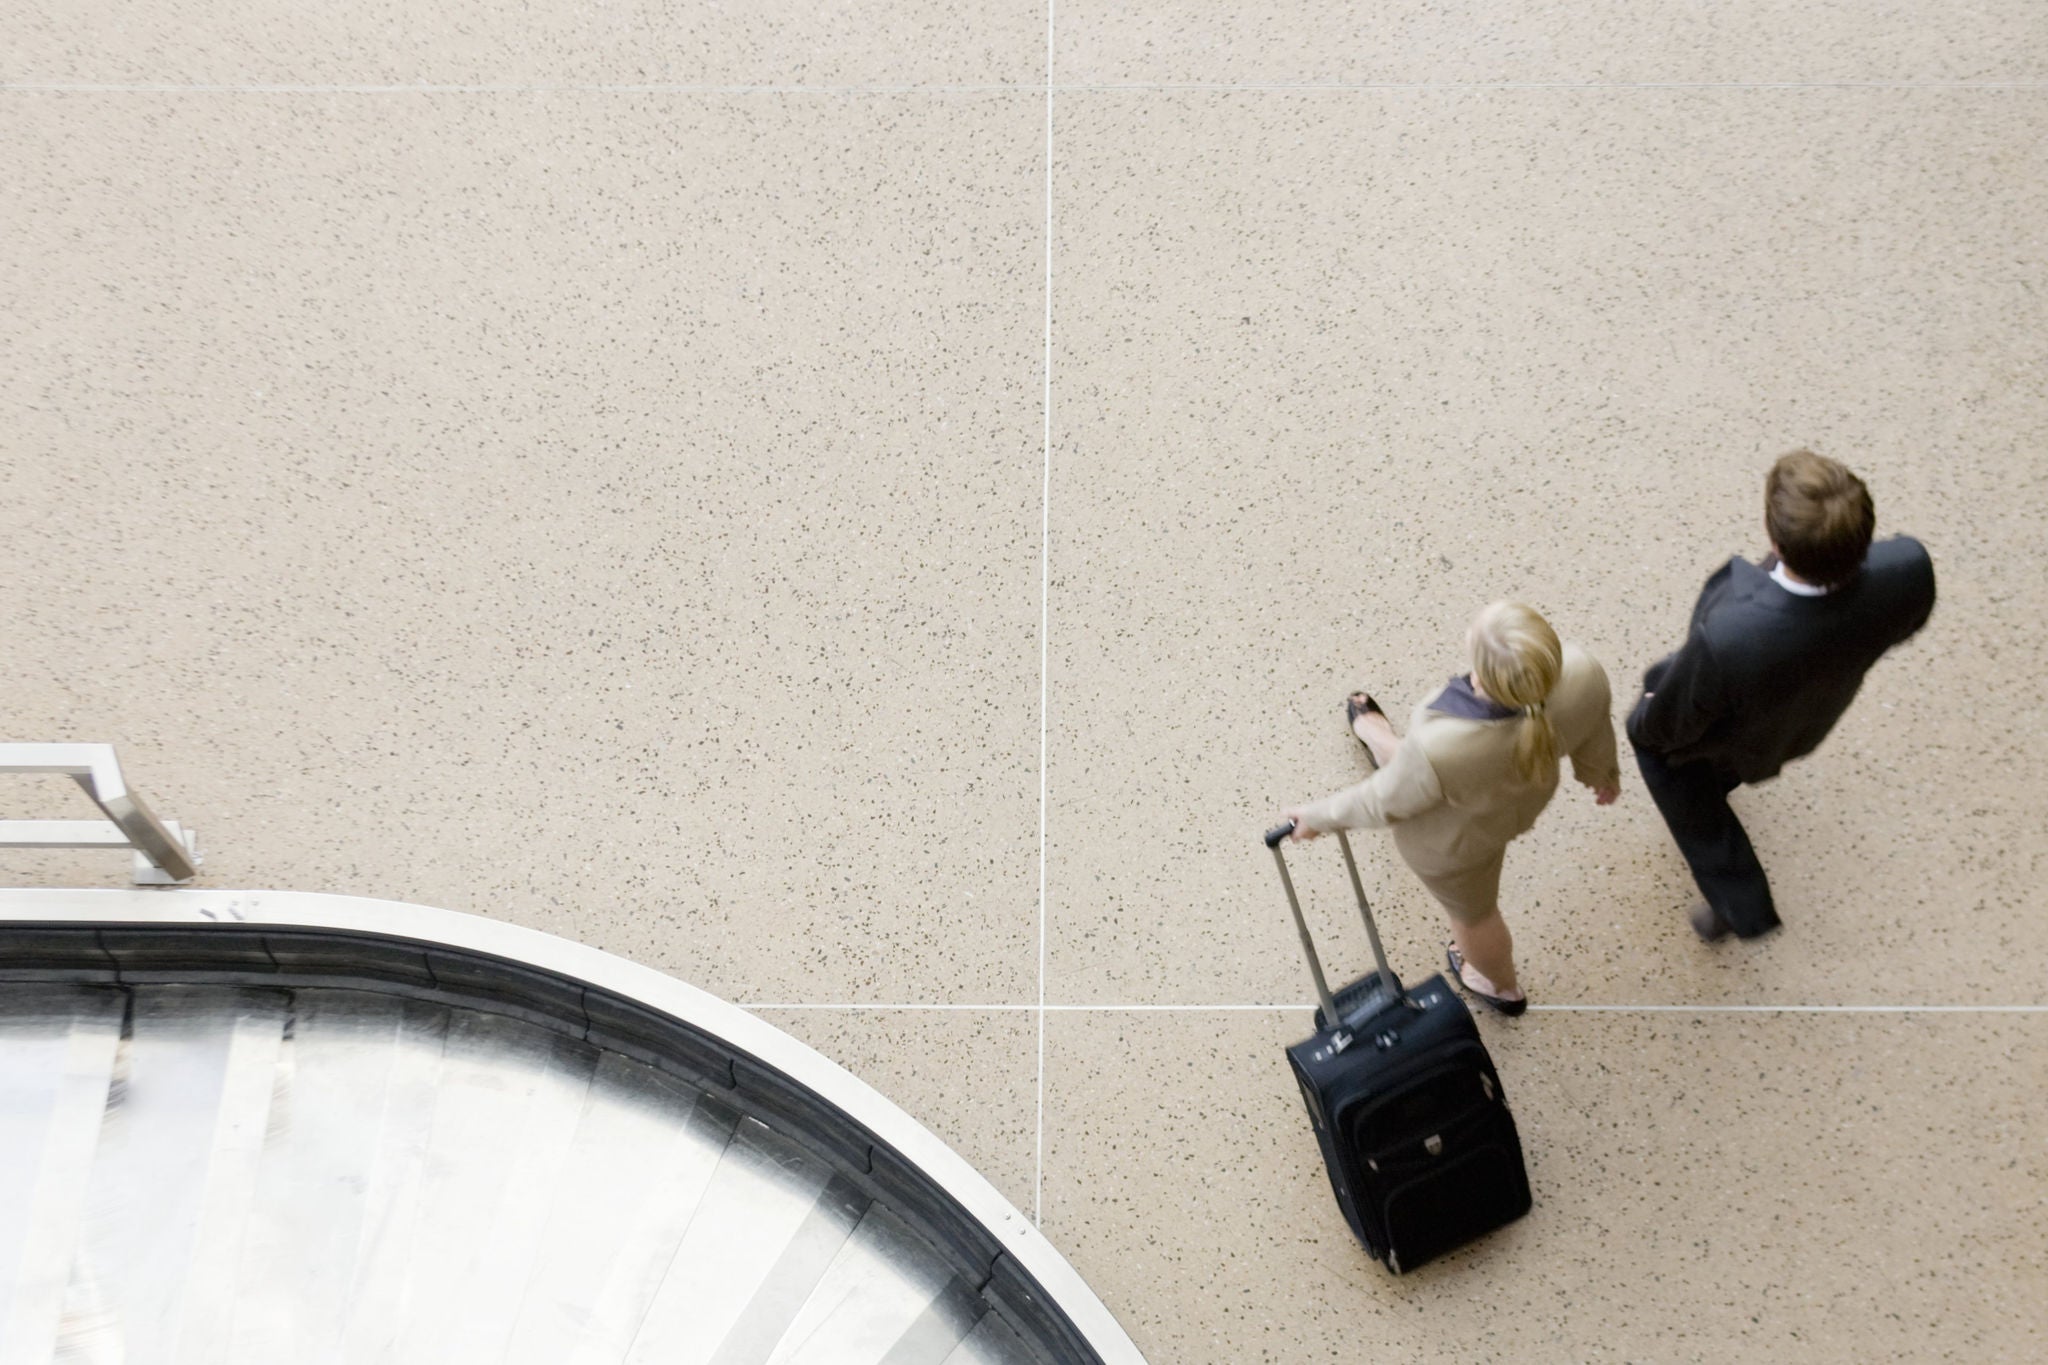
x: 1277, y: 833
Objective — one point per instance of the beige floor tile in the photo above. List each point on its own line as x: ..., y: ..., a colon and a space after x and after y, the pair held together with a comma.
x: 619, y: 516
x: 971, y: 1076
x: 471, y: 42
x: 1308, y: 41
x: 1708, y: 1188
x: 1331, y: 371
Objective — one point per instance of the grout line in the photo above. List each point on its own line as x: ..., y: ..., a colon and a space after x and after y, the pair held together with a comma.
x: 1305, y: 1006
x: 1791, y: 1009
x: 884, y: 1006
x: 1192, y: 87
x: 517, y: 89
x: 1340, y: 86
x: 1044, y: 638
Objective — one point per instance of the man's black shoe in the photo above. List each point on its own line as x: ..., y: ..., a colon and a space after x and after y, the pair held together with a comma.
x: 1709, y: 926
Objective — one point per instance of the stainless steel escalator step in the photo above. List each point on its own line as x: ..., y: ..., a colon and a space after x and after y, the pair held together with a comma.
x: 644, y: 1153
x: 476, y: 1320
x: 160, y: 1162
x: 790, y: 1282
x: 57, y: 1053
x: 993, y: 1342
x: 766, y: 1230
x: 504, y: 1112
x: 316, y: 1179
x: 887, y: 1299
x: 211, y: 1293
x: 398, y: 1175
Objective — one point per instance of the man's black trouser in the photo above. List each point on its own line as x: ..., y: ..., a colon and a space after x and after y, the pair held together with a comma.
x: 1693, y: 799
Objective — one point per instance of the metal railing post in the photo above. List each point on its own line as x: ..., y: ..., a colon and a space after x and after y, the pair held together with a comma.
x: 165, y: 852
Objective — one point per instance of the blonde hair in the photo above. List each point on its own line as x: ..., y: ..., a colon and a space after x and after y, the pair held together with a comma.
x: 1516, y: 658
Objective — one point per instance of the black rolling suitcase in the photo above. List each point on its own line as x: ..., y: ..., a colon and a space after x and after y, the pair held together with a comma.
x: 1413, y: 1123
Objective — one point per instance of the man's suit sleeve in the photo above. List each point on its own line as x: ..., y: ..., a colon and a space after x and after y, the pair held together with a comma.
x: 1922, y: 578
x: 1687, y: 699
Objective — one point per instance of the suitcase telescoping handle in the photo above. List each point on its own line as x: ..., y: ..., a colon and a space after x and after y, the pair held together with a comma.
x: 1274, y: 838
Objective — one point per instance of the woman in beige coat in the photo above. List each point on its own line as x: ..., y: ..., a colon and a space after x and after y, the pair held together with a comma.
x: 1478, y: 766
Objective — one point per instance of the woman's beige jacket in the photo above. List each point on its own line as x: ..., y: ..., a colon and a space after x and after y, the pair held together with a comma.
x: 1452, y: 791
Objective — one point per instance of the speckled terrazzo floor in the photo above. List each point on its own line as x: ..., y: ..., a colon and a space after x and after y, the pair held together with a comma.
x: 590, y: 465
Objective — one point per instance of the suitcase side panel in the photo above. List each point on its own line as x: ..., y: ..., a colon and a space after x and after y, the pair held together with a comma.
x: 1342, y: 1185
x: 1465, y: 1196
x: 1437, y: 1158
x: 1413, y: 1124
x: 1386, y: 1049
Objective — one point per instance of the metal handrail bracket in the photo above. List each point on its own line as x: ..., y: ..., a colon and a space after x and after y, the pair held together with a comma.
x: 166, y: 852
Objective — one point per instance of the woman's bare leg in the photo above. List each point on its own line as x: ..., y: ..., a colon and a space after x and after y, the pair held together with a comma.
x: 1489, y: 949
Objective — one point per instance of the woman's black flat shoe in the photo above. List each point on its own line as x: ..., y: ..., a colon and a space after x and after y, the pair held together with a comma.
x: 1510, y: 1008
x: 1356, y: 705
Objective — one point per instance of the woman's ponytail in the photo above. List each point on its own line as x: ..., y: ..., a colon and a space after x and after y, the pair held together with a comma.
x: 1517, y: 659
x: 1535, y: 744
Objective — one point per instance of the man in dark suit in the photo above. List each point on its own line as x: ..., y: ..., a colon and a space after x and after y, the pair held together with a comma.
x: 1774, y: 657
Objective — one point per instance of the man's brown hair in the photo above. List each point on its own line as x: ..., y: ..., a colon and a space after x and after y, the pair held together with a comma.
x: 1819, y: 516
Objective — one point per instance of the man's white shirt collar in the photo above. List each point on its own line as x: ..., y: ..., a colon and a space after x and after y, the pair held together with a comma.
x: 1793, y: 585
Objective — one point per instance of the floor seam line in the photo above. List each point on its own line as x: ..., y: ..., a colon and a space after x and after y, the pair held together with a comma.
x: 1308, y: 1005
x: 1165, y: 87
x: 1044, y: 638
